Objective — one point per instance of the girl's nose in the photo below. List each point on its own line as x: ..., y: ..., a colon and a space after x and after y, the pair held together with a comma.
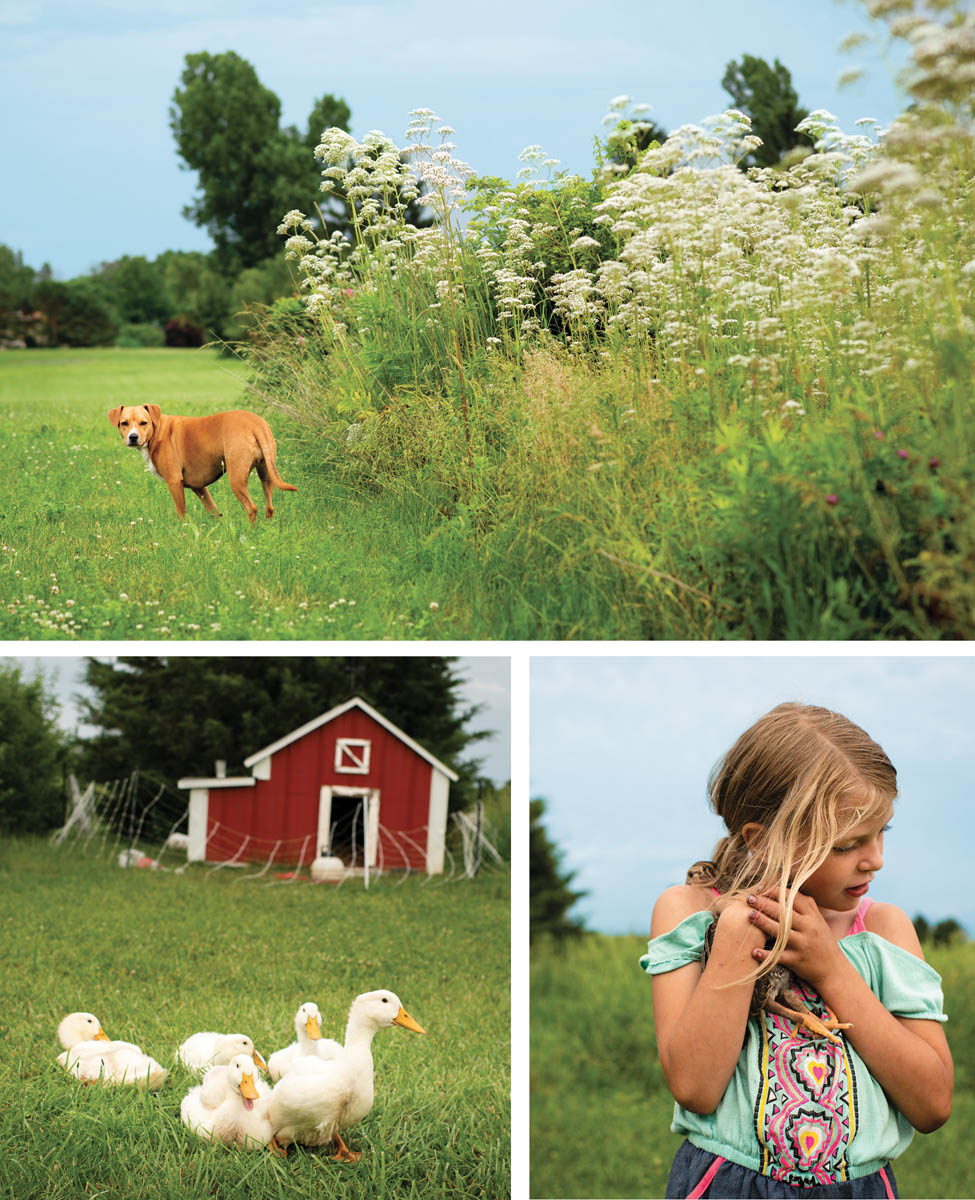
x: 872, y: 856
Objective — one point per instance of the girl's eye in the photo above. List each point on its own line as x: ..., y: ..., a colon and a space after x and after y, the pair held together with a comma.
x: 853, y: 845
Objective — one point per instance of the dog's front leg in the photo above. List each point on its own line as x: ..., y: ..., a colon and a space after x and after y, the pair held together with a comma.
x: 178, y: 493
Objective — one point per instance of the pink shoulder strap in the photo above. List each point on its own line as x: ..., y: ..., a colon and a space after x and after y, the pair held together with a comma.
x: 858, y: 925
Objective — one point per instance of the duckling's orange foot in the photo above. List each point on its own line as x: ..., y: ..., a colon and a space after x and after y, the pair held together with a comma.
x: 276, y: 1148
x: 344, y: 1153
x: 821, y: 1028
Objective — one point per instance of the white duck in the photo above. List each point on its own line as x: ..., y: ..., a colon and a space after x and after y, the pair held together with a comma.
x: 230, y: 1105
x: 203, y: 1050
x: 308, y: 1030
x: 318, y: 1098
x: 92, y: 1057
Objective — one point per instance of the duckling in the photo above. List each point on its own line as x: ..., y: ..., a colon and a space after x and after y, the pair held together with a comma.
x: 203, y: 1050
x: 92, y: 1057
x: 774, y: 987
x: 317, y: 1099
x: 229, y: 1106
x: 308, y: 1029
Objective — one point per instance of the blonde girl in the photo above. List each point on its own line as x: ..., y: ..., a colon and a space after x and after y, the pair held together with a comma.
x: 771, y: 1105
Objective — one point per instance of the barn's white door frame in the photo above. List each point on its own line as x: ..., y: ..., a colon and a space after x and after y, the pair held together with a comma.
x: 325, y: 817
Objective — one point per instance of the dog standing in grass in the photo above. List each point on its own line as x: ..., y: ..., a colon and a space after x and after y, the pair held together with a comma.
x: 193, y: 452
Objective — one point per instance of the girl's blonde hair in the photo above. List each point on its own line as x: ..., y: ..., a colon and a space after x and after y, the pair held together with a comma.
x: 807, y: 777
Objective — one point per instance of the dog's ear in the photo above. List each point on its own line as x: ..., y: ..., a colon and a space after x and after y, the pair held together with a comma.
x: 115, y: 416
x: 154, y: 411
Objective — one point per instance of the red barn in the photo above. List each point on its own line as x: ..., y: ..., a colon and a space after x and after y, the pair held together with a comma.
x: 307, y: 794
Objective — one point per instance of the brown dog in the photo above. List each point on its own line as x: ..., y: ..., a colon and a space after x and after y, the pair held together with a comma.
x: 193, y: 452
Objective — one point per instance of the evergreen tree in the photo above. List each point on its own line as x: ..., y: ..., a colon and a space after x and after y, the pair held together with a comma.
x: 33, y: 754
x: 922, y: 928
x: 550, y: 894
x: 766, y: 95
x: 176, y: 716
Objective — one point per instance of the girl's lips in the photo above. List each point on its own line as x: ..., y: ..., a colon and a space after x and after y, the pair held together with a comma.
x: 858, y: 891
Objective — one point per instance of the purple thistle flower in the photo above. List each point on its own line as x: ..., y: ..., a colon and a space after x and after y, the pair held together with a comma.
x: 934, y: 462
x: 832, y: 498
x: 902, y: 454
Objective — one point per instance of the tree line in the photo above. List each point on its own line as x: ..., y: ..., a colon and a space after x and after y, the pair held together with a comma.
x: 250, y: 171
x: 173, y: 717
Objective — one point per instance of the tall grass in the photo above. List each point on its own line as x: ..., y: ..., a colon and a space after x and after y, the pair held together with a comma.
x: 679, y: 399
x: 157, y: 956
x: 597, y: 1087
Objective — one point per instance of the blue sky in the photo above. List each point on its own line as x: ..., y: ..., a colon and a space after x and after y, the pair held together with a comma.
x: 90, y: 168
x: 621, y: 748
x: 486, y: 682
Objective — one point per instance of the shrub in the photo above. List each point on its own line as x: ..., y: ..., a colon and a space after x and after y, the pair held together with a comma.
x: 142, y: 333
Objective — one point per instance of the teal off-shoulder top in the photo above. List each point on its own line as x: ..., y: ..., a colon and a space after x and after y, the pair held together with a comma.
x: 802, y: 1109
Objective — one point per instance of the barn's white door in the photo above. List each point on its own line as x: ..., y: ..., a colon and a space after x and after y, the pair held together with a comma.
x: 336, y: 812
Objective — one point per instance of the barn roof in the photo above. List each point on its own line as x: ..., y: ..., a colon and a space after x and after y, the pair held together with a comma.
x: 332, y: 713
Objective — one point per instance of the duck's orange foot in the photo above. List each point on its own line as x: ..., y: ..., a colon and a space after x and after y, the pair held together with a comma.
x: 344, y: 1153
x: 276, y: 1148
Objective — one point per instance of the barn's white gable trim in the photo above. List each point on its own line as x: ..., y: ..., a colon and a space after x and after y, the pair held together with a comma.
x: 263, y: 756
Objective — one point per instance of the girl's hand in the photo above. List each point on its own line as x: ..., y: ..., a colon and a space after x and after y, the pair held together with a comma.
x: 811, y: 951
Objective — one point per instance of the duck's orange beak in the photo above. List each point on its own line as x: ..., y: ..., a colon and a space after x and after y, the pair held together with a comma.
x: 313, y: 1029
x: 403, y: 1018
x: 260, y: 1061
x: 101, y: 1036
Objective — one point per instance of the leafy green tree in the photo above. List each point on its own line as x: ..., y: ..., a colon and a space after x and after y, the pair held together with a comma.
x: 78, y: 312
x: 16, y: 280
x: 766, y: 95
x: 550, y: 894
x: 253, y: 290
x: 946, y: 932
x: 137, y: 288
x: 251, y: 171
x: 198, y: 291
x: 922, y: 928
x: 33, y: 754
x: 185, y: 713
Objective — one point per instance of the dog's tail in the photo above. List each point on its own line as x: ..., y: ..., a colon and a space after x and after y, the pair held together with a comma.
x: 265, y: 439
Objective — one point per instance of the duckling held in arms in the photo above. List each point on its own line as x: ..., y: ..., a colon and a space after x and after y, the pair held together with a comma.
x: 317, y: 1099
x: 776, y: 986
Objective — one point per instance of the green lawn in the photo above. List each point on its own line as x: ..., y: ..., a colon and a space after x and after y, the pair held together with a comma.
x: 90, y: 545
x: 601, y: 1111
x: 157, y: 956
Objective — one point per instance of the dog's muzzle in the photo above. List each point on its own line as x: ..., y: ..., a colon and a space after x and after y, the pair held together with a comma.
x: 132, y: 439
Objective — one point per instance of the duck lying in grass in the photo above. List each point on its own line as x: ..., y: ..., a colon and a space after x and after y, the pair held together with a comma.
x: 92, y: 1057
x: 317, y: 1099
x: 203, y: 1050
x: 230, y: 1106
x: 308, y: 1030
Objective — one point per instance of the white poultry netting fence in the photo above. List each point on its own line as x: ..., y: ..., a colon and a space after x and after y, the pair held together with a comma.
x: 140, y: 823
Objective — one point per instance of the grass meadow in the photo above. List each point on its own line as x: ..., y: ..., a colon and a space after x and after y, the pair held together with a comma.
x: 157, y: 956
x: 90, y: 545
x: 601, y: 1111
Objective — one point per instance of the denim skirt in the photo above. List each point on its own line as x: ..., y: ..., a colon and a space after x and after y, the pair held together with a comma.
x: 692, y: 1164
